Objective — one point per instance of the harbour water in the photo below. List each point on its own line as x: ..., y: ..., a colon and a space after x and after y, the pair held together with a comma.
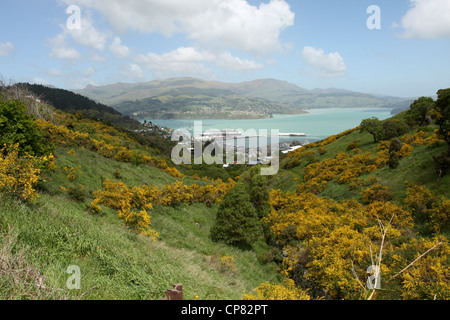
x: 317, y: 123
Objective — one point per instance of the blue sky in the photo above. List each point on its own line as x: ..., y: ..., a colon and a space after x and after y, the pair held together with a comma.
x: 314, y: 44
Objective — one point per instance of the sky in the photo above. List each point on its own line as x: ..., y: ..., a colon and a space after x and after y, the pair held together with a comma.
x: 391, y: 47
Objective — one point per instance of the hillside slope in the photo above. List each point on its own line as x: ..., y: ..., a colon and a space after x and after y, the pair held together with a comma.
x: 338, y: 203
x: 58, y: 231
x: 119, y: 253
x: 134, y: 224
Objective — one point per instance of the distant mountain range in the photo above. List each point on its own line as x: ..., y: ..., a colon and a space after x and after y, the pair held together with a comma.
x: 190, y: 98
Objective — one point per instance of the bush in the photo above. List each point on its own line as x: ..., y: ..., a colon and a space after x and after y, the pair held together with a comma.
x: 376, y: 193
x: 442, y: 164
x: 117, y: 174
x: 440, y: 216
x: 352, y: 146
x: 258, y: 191
x: 420, y: 201
x: 284, y: 291
x: 76, y: 193
x: 19, y: 175
x: 394, y: 128
x: 119, y: 197
x: 394, y: 148
x: 394, y: 160
x: 227, y: 264
x: 16, y: 126
x: 395, y: 145
x: 237, y: 220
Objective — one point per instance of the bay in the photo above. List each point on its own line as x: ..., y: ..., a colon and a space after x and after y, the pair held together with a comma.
x: 317, y: 124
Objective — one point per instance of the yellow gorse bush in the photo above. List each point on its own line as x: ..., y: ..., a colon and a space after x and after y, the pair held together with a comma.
x: 117, y: 196
x: 334, y: 240
x: 104, y: 140
x: 376, y: 192
x: 227, y: 264
x: 287, y: 290
x: 429, y: 277
x: 132, y: 204
x: 20, y: 174
x: 73, y: 172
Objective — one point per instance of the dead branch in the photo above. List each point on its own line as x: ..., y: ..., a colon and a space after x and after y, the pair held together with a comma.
x: 412, y: 263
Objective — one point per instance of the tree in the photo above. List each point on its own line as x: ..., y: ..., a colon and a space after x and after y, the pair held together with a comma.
x: 442, y: 163
x: 419, y: 112
x: 394, y: 147
x: 374, y: 127
x: 442, y: 109
x: 237, y: 220
x: 16, y: 126
x: 257, y: 190
x: 394, y: 128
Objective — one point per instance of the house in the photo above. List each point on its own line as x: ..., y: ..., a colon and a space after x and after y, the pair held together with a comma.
x: 291, y: 149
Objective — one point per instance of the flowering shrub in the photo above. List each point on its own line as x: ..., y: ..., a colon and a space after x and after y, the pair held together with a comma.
x: 124, y: 155
x: 117, y: 196
x: 61, y: 135
x: 102, y: 139
x: 434, y: 140
x: 344, y: 167
x: 440, y: 216
x: 334, y: 240
x: 227, y: 264
x: 418, y: 139
x: 20, y: 174
x: 428, y: 277
x: 132, y: 204
x: 287, y: 290
x: 376, y: 193
x: 72, y: 172
x: 333, y: 257
x: 405, y: 150
x: 420, y: 201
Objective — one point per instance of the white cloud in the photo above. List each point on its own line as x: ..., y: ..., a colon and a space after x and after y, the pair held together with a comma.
x: 427, y: 19
x: 189, y: 60
x: 227, y: 60
x: 60, y: 50
x: 6, y: 49
x: 327, y: 65
x: 55, y: 72
x: 132, y: 72
x: 182, y: 61
x: 219, y: 24
x: 90, y: 71
x: 98, y: 58
x: 237, y: 24
x: 88, y: 35
x: 119, y: 50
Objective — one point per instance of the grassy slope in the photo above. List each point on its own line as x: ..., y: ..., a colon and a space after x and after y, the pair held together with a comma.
x: 416, y: 168
x: 58, y: 232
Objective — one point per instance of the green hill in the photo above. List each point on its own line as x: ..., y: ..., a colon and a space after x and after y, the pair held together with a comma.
x: 44, y: 233
x: 187, y: 98
x: 134, y: 224
x: 418, y: 167
x: 57, y: 231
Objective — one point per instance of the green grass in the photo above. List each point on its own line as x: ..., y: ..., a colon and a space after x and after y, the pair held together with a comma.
x: 416, y: 168
x: 116, y: 263
x: 41, y: 240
